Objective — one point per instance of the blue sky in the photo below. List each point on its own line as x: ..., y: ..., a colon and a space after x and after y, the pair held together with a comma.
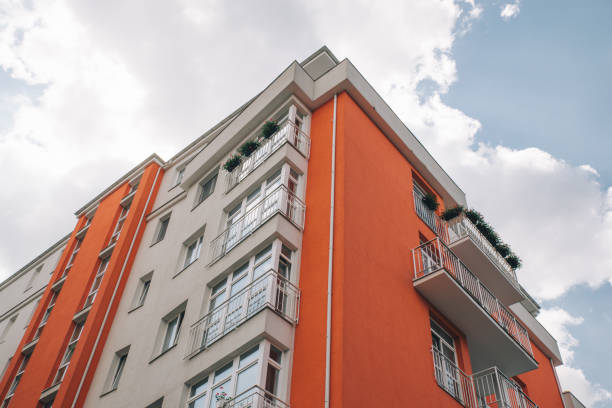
x: 543, y: 79
x: 511, y: 97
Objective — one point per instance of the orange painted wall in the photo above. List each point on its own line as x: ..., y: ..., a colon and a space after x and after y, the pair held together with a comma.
x: 52, y: 343
x: 541, y: 383
x: 381, y: 337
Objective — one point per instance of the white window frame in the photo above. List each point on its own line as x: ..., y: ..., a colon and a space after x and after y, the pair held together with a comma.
x: 171, y: 340
x: 117, y: 369
x: 119, y: 225
x: 17, y: 379
x: 230, y: 382
x: 192, y: 255
x: 73, y: 255
x: 68, y: 353
x: 161, y: 229
x: 178, y: 178
x: 144, y: 285
x: 48, y: 310
x: 97, y: 282
x: 204, y: 190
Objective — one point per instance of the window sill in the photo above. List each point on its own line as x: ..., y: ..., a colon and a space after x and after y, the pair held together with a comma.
x: 135, y: 308
x: 163, y: 352
x: 181, y: 271
x: 155, y: 243
x: 107, y: 392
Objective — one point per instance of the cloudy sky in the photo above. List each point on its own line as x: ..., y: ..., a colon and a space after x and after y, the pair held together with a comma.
x: 511, y: 97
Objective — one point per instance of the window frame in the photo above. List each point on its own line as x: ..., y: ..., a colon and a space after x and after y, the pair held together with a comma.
x: 167, y: 344
x: 161, y: 229
x: 197, y: 249
x: 202, y: 191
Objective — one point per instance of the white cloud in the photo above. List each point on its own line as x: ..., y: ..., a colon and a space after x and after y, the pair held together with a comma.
x: 558, y: 323
x: 510, y: 10
x: 121, y: 82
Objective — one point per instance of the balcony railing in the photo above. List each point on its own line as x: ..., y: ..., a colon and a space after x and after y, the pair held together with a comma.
x: 450, y: 377
x: 254, y: 397
x: 487, y: 388
x: 287, y: 133
x: 278, y: 201
x: 434, y: 255
x: 494, y: 389
x: 462, y: 227
x: 429, y: 217
x: 268, y: 291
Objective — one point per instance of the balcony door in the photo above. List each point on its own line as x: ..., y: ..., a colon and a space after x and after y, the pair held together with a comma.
x: 445, y: 360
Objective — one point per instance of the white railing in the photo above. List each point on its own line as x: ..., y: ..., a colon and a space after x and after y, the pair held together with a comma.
x: 278, y: 201
x: 435, y: 255
x: 268, y: 291
x: 461, y: 226
x: 429, y: 217
x: 487, y: 388
x: 494, y: 389
x: 287, y: 133
x: 254, y: 397
x: 453, y: 380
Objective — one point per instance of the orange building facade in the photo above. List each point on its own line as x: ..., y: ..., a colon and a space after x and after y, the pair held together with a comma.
x: 313, y: 274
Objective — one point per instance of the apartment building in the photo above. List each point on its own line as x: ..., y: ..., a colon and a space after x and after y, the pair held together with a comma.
x: 285, y: 258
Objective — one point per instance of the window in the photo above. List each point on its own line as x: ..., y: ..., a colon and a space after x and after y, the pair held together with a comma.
x: 193, y: 251
x: 43, y: 321
x: 95, y: 286
x: 63, y: 367
x: 7, y: 328
x: 143, y: 290
x: 445, y: 360
x: 237, y: 377
x: 161, y: 229
x: 207, y: 187
x: 20, y: 371
x: 120, y: 359
x: 122, y: 216
x: 179, y: 176
x: 173, y: 327
x: 73, y: 255
x: 33, y: 277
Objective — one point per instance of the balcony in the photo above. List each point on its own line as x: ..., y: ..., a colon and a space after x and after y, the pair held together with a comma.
x: 483, y: 259
x: 494, y: 335
x: 254, y: 397
x: 279, y: 201
x: 288, y: 133
x: 429, y: 217
x: 475, y: 250
x: 270, y: 291
x: 487, y: 388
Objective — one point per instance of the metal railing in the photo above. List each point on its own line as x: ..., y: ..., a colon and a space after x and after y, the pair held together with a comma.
x: 453, y: 380
x: 279, y: 200
x: 461, y: 226
x: 494, y: 389
x: 270, y: 290
x: 435, y: 255
x: 487, y: 388
x: 287, y: 133
x: 254, y: 397
x: 429, y: 217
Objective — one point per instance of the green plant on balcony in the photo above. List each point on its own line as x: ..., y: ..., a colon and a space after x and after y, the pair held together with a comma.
x: 268, y: 129
x: 430, y: 201
x: 451, y: 213
x: 248, y: 147
x: 503, y: 249
x: 231, y: 163
x: 514, y: 261
x: 474, y: 216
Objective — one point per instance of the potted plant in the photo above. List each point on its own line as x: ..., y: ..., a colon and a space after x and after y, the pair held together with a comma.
x: 514, y: 261
x: 232, y: 163
x: 430, y: 201
x: 503, y: 249
x: 222, y: 399
x: 268, y: 129
x: 451, y: 213
x: 248, y: 148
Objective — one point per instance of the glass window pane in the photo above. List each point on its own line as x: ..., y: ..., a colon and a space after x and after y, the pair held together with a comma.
x: 248, y: 357
x: 275, y: 354
x: 219, y: 286
x: 238, y: 285
x: 219, y: 390
x: 271, y: 379
x: 199, y: 387
x: 223, y: 372
x: 246, y: 379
